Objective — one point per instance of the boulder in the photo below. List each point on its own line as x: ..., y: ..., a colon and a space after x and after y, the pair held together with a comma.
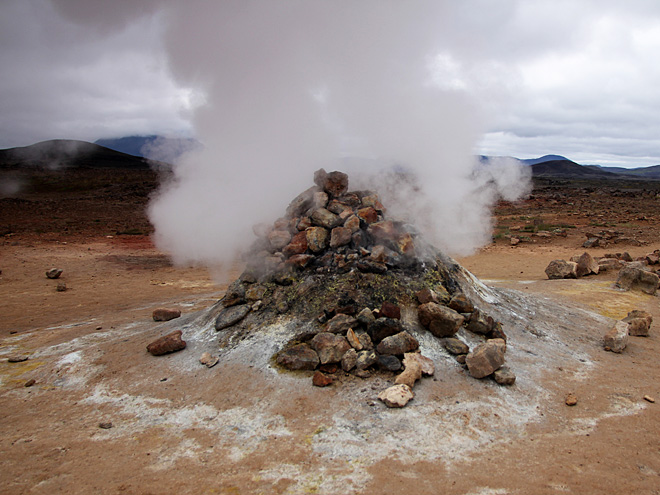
x: 504, y: 376
x: 340, y: 323
x: 631, y: 278
x: 317, y: 239
x: 440, y: 320
x: 171, y: 342
x: 349, y: 360
x: 398, y: 344
x: 606, y: 264
x: 396, y: 396
x: 586, y: 265
x: 165, y: 314
x: 455, y: 346
x: 330, y: 347
x: 616, y: 339
x: 411, y: 373
x: 230, y: 316
x: 558, y: 269
x: 486, y: 358
x: 298, y: 357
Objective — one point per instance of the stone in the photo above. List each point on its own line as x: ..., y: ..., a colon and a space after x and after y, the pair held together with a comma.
x: 504, y: 376
x: 396, y: 396
x: 586, y: 265
x: 460, y: 358
x: 411, y: 373
x: 319, y: 177
x: 370, y: 266
x: 234, y: 295
x: 255, y: 292
x: 480, y: 323
x: 105, y: 425
x: 616, y: 339
x: 278, y: 239
x: 17, y: 358
x: 390, y: 310
x: 349, y: 360
x: 374, y: 201
x: 208, y: 360
x: 61, y: 287
x: 335, y: 184
x: 54, y: 273
x: 638, y: 327
x: 405, y: 244
x: 486, y: 358
x: 559, y: 269
x: 366, y: 341
x: 330, y: 347
x: 300, y: 260
x: 340, y: 236
x: 352, y: 223
x: 571, y: 399
x: 171, y: 342
x: 338, y: 208
x: 30, y: 382
x: 650, y: 399
x: 368, y: 215
x: 298, y: 245
x: 455, y: 346
x: 609, y: 264
x: 321, y: 380
x: 320, y: 199
x: 383, y: 327
x: 631, y: 278
x: 366, y: 359
x: 438, y: 296
x: 389, y: 363
x: 591, y: 242
x: 301, y: 203
x: 652, y: 259
x: 461, y: 304
x: 298, y: 357
x: 331, y: 368
x: 230, y: 316
x: 165, y: 314
x: 353, y: 340
x: 340, y: 323
x: 397, y: 344
x: 325, y: 218
x: 428, y: 367
x: 317, y: 239
x: 365, y: 317
x: 440, y: 320
x: 383, y: 230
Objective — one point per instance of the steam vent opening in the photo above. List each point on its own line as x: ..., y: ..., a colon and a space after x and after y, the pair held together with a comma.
x: 337, y: 291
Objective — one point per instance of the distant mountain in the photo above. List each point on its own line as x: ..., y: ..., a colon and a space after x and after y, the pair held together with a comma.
x: 545, y: 158
x: 652, y: 172
x: 153, y: 147
x: 568, y: 168
x: 65, y: 153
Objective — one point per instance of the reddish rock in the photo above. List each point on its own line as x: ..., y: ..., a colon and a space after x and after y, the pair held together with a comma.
x: 390, y: 310
x: 298, y: 357
x: 298, y: 245
x: 440, y: 320
x: 461, y: 304
x: 171, y: 342
x: 374, y: 201
x: 317, y: 239
x: 321, y: 380
x: 353, y: 340
x: 486, y: 358
x: 438, y: 296
x: 340, y: 236
x: 383, y: 230
x: 165, y: 314
x: 300, y: 260
x: 335, y: 183
x: 330, y: 368
x: 369, y: 215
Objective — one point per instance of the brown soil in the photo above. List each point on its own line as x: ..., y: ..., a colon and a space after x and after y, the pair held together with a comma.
x: 189, y: 429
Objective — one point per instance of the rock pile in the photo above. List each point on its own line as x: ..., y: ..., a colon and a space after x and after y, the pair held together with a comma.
x: 348, y: 273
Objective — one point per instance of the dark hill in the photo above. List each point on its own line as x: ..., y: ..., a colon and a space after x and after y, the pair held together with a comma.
x: 66, y: 153
x: 568, y: 168
x: 157, y: 147
x: 543, y: 159
x: 652, y: 172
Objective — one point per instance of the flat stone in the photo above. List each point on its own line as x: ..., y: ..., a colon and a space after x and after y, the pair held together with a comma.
x: 330, y: 347
x: 171, y: 342
x: 17, y: 358
x: 616, y: 339
x: 504, y: 376
x: 440, y: 320
x: 370, y: 266
x: 397, y: 344
x: 321, y: 380
x: 230, y: 316
x: 298, y: 357
x: 208, y: 360
x: 455, y: 346
x: 396, y: 396
x: 165, y: 314
x: 631, y: 278
x: 486, y: 358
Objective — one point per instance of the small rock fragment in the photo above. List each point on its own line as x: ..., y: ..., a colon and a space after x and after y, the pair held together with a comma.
x: 30, y: 382
x: 504, y: 376
x: 571, y: 399
x: 17, y: 358
x: 396, y: 395
x: 616, y: 339
x: 61, y: 287
x: 171, y: 342
x: 455, y: 346
x: 411, y: 373
x: 106, y: 425
x: 648, y: 398
x: 321, y: 380
x: 353, y: 340
x: 208, y: 360
x: 54, y: 273
x: 165, y: 314
x: 349, y: 360
x: 340, y: 323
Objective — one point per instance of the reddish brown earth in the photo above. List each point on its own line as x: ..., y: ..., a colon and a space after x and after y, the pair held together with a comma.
x: 189, y: 429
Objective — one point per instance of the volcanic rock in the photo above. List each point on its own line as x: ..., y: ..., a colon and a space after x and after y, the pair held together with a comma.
x: 165, y: 314
x: 586, y: 265
x: 325, y: 218
x: 397, y: 344
x: 440, y: 320
x: 631, y: 278
x: 411, y: 373
x: 504, y: 376
x: 616, y: 339
x: 365, y: 340
x: 230, y: 316
x: 279, y: 239
x: 298, y: 245
x: 366, y: 359
x: 321, y: 380
x: 383, y: 327
x: 300, y: 260
x: 317, y: 239
x: 461, y: 304
x: 605, y: 264
x: 352, y: 223
x: 340, y: 323
x: 353, y: 340
x: 171, y: 342
x: 366, y: 317
x: 396, y: 396
x: 486, y: 358
x: 382, y: 230
x: 480, y: 323
x: 330, y: 347
x: 368, y: 215
x: 298, y: 357
x: 558, y: 269
x: 427, y: 295
x: 340, y: 236
x: 349, y: 360
x: 455, y: 346
x: 639, y: 323
x: 389, y: 310
x: 389, y: 363
x: 335, y: 183
x: 54, y: 273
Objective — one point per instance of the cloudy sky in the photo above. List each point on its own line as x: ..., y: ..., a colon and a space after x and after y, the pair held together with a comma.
x: 578, y: 78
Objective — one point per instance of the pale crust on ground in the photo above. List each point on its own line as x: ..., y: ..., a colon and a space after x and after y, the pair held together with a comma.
x: 50, y: 440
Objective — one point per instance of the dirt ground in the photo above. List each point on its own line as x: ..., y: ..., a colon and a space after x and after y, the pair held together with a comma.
x: 178, y: 427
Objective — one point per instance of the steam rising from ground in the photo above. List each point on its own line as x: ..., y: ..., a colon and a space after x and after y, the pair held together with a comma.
x: 292, y: 86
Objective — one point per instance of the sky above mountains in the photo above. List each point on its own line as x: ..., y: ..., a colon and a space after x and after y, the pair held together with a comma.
x: 577, y: 78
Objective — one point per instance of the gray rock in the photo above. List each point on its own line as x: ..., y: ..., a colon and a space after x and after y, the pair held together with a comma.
x: 480, y: 323
x: 616, y: 339
x: 330, y: 347
x: 440, y: 320
x: 298, y: 357
x: 455, y: 346
x: 340, y: 323
x: 630, y: 278
x: 365, y: 340
x: 230, y: 316
x: 558, y: 269
x: 398, y: 344
x: 278, y: 239
x: 366, y: 316
x: 349, y: 360
x: 486, y: 358
x: 389, y: 363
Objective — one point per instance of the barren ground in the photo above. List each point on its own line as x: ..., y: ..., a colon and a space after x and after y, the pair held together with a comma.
x: 178, y: 427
